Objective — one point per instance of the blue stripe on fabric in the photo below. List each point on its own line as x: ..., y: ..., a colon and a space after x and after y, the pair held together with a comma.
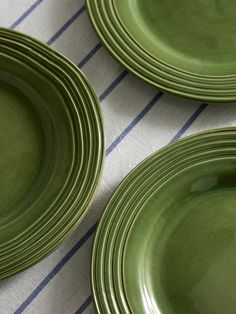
x: 113, y: 85
x: 178, y: 135
x: 84, y: 306
x: 56, y: 269
x: 66, y: 25
x: 26, y: 14
x: 189, y: 122
x: 77, y: 246
x: 89, y: 55
x: 134, y: 123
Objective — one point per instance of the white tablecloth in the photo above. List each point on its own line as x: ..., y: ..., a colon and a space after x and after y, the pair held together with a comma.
x: 138, y: 121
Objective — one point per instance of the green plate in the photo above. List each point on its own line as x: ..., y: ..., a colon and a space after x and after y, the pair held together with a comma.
x: 52, y: 145
x: 177, y: 36
x: 166, y: 242
x: 109, y: 20
x: 115, y: 23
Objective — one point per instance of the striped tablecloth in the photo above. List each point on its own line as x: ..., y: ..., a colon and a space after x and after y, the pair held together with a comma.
x: 138, y: 120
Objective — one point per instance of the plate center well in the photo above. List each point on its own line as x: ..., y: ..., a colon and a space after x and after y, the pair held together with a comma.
x: 21, y: 147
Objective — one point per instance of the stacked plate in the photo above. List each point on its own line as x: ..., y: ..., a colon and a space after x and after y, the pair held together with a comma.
x: 52, y: 148
x: 166, y: 242
x: 184, y: 48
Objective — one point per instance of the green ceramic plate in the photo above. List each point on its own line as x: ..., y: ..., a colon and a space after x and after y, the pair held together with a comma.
x: 166, y: 241
x: 180, y: 36
x: 52, y: 145
x: 107, y: 17
x: 112, y: 260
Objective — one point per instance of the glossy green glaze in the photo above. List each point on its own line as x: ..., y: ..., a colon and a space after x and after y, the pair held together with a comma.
x: 197, y: 37
x: 22, y: 149
x: 176, y: 206
x: 142, y: 36
x: 53, y: 147
x: 184, y: 260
